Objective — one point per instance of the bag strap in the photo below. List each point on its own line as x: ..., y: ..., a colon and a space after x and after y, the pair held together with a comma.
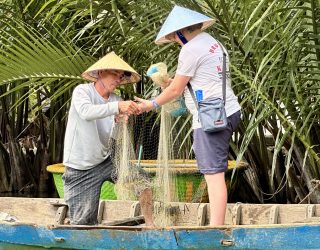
x: 192, y: 95
x: 224, y: 74
x: 224, y: 80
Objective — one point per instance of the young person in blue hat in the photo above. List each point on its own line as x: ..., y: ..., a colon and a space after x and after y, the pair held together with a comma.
x: 200, y: 63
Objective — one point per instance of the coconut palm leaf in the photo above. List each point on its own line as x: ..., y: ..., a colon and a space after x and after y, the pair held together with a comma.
x: 275, y: 58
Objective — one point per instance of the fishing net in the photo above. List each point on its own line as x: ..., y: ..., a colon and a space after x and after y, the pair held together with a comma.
x: 165, y: 179
x: 131, y: 179
x: 148, y: 154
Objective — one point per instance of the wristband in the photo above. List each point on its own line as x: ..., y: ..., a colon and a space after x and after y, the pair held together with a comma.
x: 155, y: 104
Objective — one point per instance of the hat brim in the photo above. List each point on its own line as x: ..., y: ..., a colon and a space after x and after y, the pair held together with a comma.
x: 111, y: 62
x: 93, y: 76
x: 180, y: 18
x: 163, y: 39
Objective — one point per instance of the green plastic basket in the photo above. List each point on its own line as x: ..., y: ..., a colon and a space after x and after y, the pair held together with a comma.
x: 186, y: 183
x: 57, y: 170
x: 188, y: 179
x: 187, y: 186
x: 107, y: 190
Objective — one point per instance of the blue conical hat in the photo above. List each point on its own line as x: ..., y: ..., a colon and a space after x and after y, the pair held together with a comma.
x: 180, y: 18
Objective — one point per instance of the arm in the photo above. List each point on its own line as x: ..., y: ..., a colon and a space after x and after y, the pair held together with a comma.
x: 174, y: 90
x: 89, y: 111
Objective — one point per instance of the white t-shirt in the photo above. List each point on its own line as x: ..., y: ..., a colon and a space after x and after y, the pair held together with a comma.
x: 202, y: 59
x: 90, y: 124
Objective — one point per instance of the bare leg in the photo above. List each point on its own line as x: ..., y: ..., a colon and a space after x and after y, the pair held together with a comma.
x: 217, y: 191
x: 146, y: 203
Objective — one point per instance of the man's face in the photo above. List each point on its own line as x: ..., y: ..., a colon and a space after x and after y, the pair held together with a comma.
x: 111, y: 78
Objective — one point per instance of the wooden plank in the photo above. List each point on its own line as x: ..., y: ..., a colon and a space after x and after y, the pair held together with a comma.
x: 42, y: 211
x: 228, y: 216
x: 317, y: 212
x: 135, y: 209
x: 236, y: 214
x: 172, y: 210
x: 61, y: 215
x: 202, y: 215
x: 253, y: 214
x: 137, y: 220
x: 100, y: 211
x: 311, y: 211
x: 289, y: 213
x: 57, y: 203
x: 274, y: 214
x: 116, y: 209
x: 311, y: 220
x: 29, y: 210
x: 186, y: 213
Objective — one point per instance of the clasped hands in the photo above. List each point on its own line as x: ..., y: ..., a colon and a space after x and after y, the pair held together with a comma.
x: 146, y: 105
x: 127, y: 108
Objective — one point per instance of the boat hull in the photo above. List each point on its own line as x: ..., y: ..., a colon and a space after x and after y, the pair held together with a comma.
x: 233, y: 237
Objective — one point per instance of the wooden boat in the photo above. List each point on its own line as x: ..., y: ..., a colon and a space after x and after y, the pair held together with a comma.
x: 33, y: 223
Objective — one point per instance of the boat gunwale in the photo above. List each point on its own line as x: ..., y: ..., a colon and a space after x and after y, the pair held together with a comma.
x: 175, y: 228
x: 193, y: 228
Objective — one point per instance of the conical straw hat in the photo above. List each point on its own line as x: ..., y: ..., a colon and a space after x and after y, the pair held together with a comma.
x: 111, y: 62
x: 180, y: 18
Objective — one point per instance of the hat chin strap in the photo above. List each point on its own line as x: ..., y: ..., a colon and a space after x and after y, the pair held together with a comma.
x: 182, y: 38
x: 104, y: 86
x: 100, y: 81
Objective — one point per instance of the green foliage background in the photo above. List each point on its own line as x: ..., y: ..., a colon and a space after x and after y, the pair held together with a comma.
x: 275, y: 66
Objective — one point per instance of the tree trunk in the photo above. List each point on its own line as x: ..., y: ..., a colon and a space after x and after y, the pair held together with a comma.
x: 295, y: 182
x: 307, y: 176
x: 41, y: 163
x: 21, y: 177
x: 4, y: 170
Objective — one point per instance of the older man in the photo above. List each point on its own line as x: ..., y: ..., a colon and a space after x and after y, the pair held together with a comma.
x: 94, y: 109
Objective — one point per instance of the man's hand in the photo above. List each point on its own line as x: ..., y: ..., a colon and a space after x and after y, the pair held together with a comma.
x: 121, y: 118
x: 129, y: 108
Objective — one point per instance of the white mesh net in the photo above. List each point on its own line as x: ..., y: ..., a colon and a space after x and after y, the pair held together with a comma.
x: 145, y: 155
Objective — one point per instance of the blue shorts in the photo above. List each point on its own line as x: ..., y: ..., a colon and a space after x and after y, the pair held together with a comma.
x: 212, y: 148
